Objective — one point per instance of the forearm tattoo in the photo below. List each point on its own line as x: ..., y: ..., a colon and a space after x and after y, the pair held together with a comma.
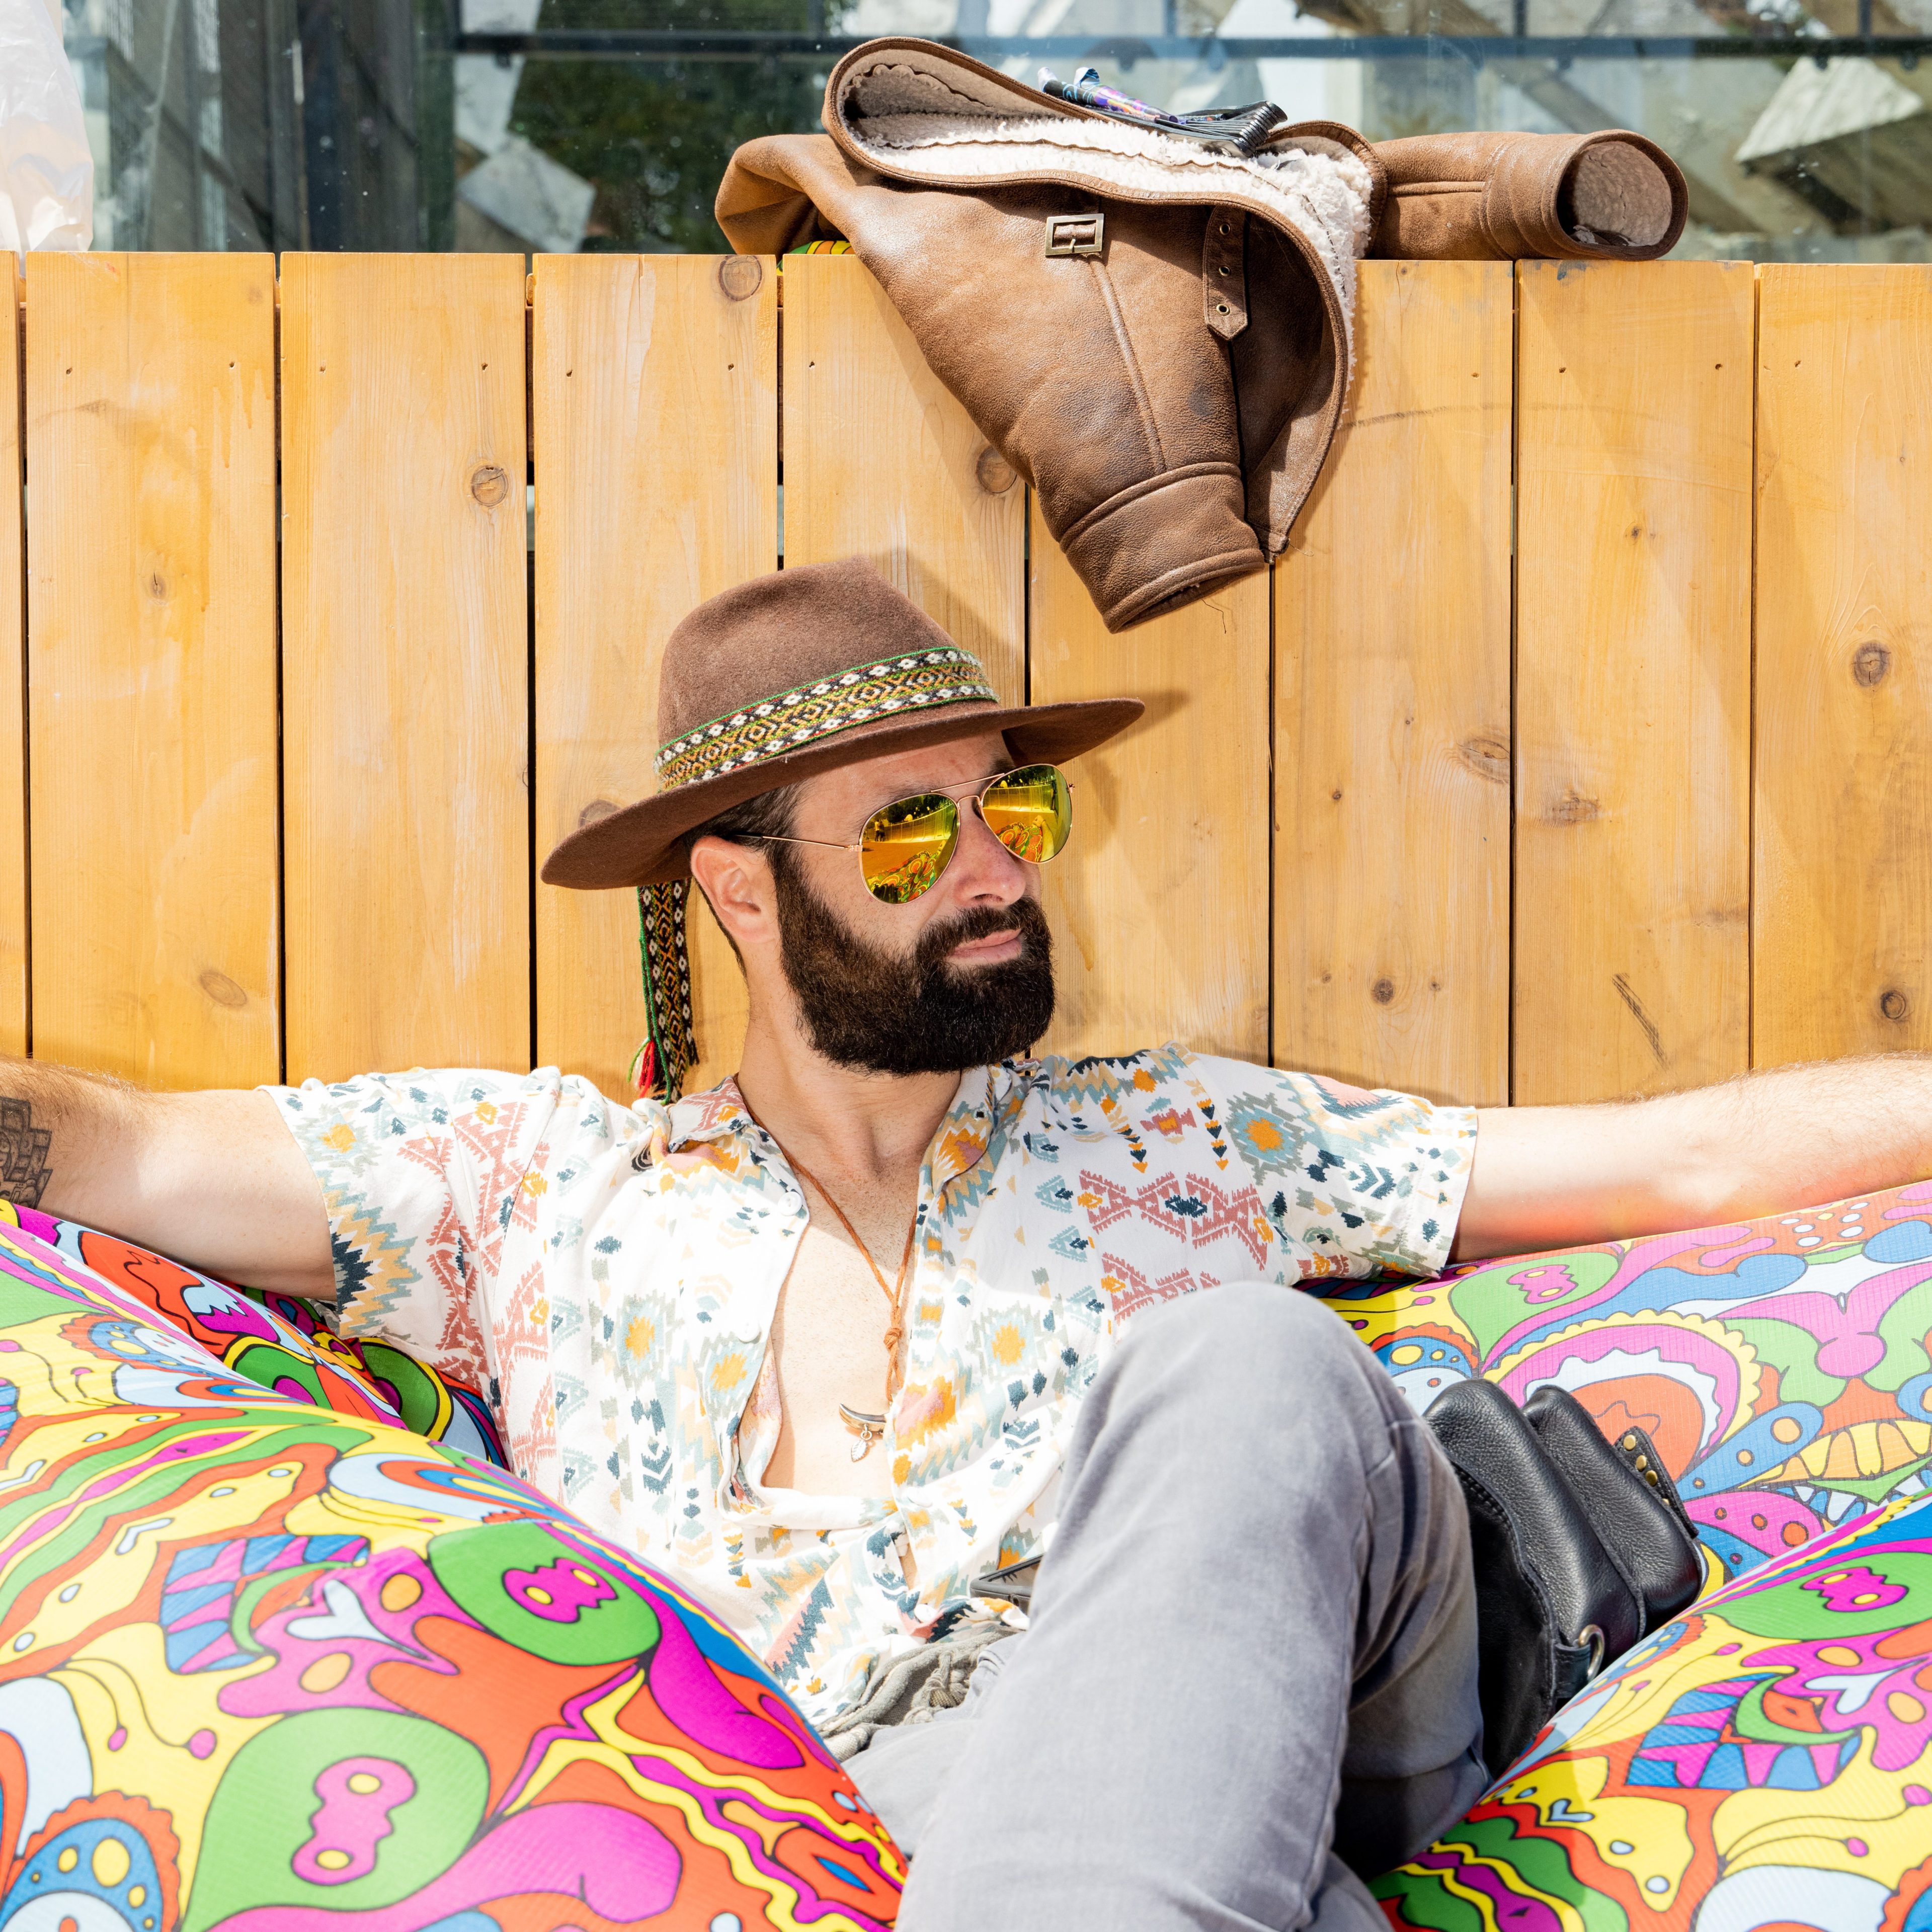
x: 24, y: 1172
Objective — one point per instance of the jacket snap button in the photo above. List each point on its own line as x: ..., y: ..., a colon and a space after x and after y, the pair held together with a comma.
x: 1221, y: 308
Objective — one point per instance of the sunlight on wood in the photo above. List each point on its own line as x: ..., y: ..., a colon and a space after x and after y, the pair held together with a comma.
x: 151, y: 439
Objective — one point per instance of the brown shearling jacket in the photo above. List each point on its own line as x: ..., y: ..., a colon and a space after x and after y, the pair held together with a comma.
x: 1157, y: 334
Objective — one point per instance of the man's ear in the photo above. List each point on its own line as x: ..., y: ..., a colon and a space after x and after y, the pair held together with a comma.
x: 737, y: 881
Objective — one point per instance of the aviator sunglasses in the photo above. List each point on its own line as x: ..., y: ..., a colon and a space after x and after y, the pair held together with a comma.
x: 904, y: 846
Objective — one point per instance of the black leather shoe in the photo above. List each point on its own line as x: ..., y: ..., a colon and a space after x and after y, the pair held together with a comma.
x: 1618, y: 1485
x: 1577, y: 1553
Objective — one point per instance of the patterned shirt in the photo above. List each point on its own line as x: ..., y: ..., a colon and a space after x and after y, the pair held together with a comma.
x: 611, y: 1275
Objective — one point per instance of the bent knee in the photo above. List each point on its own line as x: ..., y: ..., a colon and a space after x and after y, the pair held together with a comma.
x: 1284, y: 1339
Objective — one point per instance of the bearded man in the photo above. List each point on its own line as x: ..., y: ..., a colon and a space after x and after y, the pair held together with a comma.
x: 899, y: 1304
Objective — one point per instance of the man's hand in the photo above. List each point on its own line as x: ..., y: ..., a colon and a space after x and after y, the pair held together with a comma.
x: 1789, y: 1137
x: 214, y: 1179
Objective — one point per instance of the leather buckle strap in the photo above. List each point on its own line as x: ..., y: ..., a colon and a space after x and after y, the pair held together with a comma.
x: 1224, y: 274
x: 1076, y: 234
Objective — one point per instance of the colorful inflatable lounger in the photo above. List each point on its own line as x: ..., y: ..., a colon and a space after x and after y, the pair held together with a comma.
x: 467, y: 1692
x: 280, y: 1341
x: 1780, y: 1364
x: 1764, y: 1763
x: 269, y: 1666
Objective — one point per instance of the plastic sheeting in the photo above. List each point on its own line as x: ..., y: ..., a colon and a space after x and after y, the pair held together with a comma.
x: 46, y: 173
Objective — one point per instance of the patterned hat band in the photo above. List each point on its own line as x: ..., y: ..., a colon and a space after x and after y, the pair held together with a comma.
x: 884, y: 688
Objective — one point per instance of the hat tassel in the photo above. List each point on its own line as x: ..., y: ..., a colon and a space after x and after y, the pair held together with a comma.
x: 669, y: 1048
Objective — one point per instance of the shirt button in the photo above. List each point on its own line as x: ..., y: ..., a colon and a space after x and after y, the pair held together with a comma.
x: 748, y: 1328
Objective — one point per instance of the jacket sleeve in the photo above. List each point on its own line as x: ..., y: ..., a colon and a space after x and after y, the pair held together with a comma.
x: 769, y: 200
x: 1610, y: 196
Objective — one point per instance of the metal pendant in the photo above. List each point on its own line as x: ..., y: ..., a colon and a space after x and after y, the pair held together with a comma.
x: 869, y: 1428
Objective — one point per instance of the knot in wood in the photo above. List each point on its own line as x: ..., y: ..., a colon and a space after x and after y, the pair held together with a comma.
x: 597, y: 808
x: 1870, y: 663
x: 1893, y: 1005
x: 489, y: 486
x: 1487, y: 756
x: 1573, y: 808
x: 740, y: 277
x: 222, y: 990
x: 996, y: 475
x: 1382, y: 991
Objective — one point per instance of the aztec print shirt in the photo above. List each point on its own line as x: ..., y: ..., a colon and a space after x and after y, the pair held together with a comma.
x: 610, y: 1274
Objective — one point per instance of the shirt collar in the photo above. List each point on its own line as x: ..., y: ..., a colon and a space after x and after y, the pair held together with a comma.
x: 960, y: 1144
x: 967, y: 1130
x: 707, y: 1116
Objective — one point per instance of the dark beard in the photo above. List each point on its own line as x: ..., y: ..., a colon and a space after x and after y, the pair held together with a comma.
x: 893, y: 1013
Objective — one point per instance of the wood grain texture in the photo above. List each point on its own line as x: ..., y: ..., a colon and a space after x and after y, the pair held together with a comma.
x: 1843, y: 907
x: 880, y: 462
x: 1633, y: 574
x: 405, y: 662
x: 1392, y: 704
x: 1159, y: 906
x: 655, y: 407
x: 13, y: 981
x: 151, y: 434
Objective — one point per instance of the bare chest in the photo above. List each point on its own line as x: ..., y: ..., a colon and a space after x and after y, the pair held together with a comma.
x: 828, y: 1343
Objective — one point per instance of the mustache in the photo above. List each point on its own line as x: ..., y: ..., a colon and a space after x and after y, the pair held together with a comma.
x: 938, y: 940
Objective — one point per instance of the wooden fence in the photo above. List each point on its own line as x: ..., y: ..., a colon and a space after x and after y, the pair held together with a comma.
x: 1578, y: 746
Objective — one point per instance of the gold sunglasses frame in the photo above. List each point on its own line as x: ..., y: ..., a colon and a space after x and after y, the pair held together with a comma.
x: 977, y: 802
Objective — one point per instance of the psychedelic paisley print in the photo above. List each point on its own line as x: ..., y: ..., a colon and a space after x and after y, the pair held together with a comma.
x: 1762, y: 1764
x: 1780, y: 1364
x: 269, y: 1666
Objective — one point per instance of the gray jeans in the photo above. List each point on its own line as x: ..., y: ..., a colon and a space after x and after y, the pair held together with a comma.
x: 1251, y: 1670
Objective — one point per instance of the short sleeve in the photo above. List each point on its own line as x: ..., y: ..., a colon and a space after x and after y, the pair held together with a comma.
x: 423, y: 1175
x: 1355, y: 1182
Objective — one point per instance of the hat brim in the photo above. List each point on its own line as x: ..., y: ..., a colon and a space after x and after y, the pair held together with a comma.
x: 644, y: 844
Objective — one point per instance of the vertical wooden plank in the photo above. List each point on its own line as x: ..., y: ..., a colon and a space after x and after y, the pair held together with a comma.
x: 880, y: 462
x: 654, y: 399
x: 1160, y: 908
x: 14, y: 1036
x: 1392, y: 703
x: 405, y: 662
x: 922, y: 492
x: 151, y: 432
x: 1634, y: 570
x: 1843, y: 903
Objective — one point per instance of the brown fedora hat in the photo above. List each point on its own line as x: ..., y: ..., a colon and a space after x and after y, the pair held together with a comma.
x: 796, y: 672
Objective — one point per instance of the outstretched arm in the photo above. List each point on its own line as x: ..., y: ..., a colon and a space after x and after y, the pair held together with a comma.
x: 1788, y: 1137
x: 214, y: 1179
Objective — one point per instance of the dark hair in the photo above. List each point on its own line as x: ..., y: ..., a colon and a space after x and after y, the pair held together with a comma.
x: 768, y: 815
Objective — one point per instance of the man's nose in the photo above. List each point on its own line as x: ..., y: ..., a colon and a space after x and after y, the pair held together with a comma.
x: 988, y: 872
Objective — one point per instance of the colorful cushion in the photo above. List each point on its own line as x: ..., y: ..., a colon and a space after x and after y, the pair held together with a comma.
x: 1764, y: 1763
x: 280, y: 1341
x: 268, y: 1668
x: 1780, y: 1364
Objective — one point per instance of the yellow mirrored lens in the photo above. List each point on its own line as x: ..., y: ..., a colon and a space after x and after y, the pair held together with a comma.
x: 1030, y: 812
x: 906, y: 844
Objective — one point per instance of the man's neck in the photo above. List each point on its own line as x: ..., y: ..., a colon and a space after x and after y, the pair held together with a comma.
x: 871, y: 1129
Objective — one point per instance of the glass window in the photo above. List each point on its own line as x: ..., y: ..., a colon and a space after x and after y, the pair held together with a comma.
x: 1805, y: 131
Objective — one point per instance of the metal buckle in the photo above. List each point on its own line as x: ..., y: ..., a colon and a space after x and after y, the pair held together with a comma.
x: 1076, y: 234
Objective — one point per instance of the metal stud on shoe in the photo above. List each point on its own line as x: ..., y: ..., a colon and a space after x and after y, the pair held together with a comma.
x: 1592, y: 1635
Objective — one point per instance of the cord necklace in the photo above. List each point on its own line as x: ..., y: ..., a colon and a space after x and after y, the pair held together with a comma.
x: 868, y: 1427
